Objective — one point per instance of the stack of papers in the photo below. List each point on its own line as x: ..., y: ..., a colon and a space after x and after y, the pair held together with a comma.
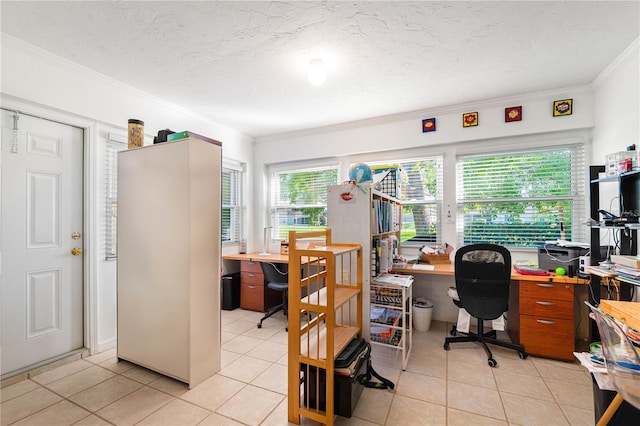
x: 401, y: 280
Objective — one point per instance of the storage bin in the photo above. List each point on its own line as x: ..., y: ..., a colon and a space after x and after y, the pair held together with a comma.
x: 231, y: 291
x: 346, y: 389
x: 422, y: 316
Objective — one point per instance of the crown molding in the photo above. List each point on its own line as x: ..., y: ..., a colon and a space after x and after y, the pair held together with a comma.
x: 438, y: 111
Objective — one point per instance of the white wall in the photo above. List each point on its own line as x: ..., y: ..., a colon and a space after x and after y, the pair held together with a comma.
x: 617, y: 106
x: 617, y: 113
x: 38, y: 82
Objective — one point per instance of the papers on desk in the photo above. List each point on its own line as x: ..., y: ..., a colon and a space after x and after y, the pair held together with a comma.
x: 599, y: 371
x: 423, y: 267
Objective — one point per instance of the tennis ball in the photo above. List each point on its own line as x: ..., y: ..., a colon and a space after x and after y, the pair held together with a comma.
x: 561, y: 271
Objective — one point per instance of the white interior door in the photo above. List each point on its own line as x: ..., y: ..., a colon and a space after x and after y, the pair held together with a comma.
x: 42, y: 261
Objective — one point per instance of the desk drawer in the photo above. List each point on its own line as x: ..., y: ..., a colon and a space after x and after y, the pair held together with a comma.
x: 546, y: 291
x: 547, y: 337
x: 250, y: 266
x: 547, y: 307
x: 252, y: 278
x: 252, y: 297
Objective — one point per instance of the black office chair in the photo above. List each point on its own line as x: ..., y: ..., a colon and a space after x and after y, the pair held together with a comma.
x: 483, y: 277
x: 279, y: 281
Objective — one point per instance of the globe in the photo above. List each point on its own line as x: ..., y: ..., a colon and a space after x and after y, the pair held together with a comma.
x: 360, y: 173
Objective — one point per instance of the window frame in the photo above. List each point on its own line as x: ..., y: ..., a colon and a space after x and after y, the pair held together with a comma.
x: 433, y: 204
x: 274, y: 207
x: 114, y: 144
x: 237, y: 222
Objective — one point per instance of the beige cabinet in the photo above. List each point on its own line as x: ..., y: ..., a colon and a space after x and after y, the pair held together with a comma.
x: 168, y: 272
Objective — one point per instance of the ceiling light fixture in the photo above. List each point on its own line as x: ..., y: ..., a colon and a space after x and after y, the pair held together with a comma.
x: 317, y: 73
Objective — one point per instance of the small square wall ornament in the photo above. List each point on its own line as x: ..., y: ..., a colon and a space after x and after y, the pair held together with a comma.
x: 512, y: 114
x: 428, y: 125
x: 562, y: 107
x: 470, y: 119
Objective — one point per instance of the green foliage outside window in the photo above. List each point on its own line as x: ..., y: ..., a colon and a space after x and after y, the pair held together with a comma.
x: 518, y: 200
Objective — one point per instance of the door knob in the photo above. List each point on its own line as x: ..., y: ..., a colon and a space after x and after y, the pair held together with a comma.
x: 75, y: 236
x: 76, y: 251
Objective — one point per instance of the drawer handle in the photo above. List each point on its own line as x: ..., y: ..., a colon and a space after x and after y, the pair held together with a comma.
x: 539, y: 302
x: 547, y: 322
x: 545, y: 285
x: 252, y: 275
x: 251, y: 286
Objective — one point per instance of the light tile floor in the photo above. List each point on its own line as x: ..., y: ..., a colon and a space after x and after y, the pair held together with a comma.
x: 439, y: 387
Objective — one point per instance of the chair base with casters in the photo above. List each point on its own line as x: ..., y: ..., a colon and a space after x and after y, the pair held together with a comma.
x: 279, y: 281
x: 281, y: 307
x: 483, y: 338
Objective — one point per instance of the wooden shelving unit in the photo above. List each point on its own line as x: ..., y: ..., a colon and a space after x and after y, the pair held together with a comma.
x: 325, y: 314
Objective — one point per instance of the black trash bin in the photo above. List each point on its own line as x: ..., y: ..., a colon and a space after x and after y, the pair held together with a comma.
x: 231, y: 291
x: 627, y: 414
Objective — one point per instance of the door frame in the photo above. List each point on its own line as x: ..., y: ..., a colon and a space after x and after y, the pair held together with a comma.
x: 89, y: 205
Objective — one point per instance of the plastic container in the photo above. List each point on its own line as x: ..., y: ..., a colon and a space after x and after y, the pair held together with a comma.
x: 422, y: 312
x: 136, y: 133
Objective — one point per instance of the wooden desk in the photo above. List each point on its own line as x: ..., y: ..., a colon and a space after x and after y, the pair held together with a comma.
x: 625, y: 312
x: 543, y: 311
x: 254, y: 293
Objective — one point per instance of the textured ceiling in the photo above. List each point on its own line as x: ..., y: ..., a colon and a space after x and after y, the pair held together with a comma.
x: 242, y: 64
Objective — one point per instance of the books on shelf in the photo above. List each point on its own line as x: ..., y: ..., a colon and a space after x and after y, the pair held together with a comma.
x: 627, y: 269
x: 385, y: 216
x: 383, y: 251
x: 629, y: 261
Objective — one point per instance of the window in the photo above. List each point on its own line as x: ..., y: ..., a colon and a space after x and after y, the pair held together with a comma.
x: 231, y: 205
x: 521, y: 199
x: 299, y: 199
x: 113, y: 145
x: 421, y: 197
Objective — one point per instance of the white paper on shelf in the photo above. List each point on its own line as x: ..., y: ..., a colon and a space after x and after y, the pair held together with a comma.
x: 402, y: 280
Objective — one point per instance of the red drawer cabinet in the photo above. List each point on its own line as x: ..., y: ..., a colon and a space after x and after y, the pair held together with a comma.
x: 254, y: 293
x: 542, y: 317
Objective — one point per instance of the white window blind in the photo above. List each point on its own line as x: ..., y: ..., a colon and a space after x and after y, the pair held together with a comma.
x: 421, y: 197
x: 299, y: 199
x: 231, y: 205
x: 521, y: 199
x: 113, y: 145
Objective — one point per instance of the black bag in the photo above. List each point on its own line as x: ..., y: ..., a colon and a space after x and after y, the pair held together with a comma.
x: 360, y: 348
